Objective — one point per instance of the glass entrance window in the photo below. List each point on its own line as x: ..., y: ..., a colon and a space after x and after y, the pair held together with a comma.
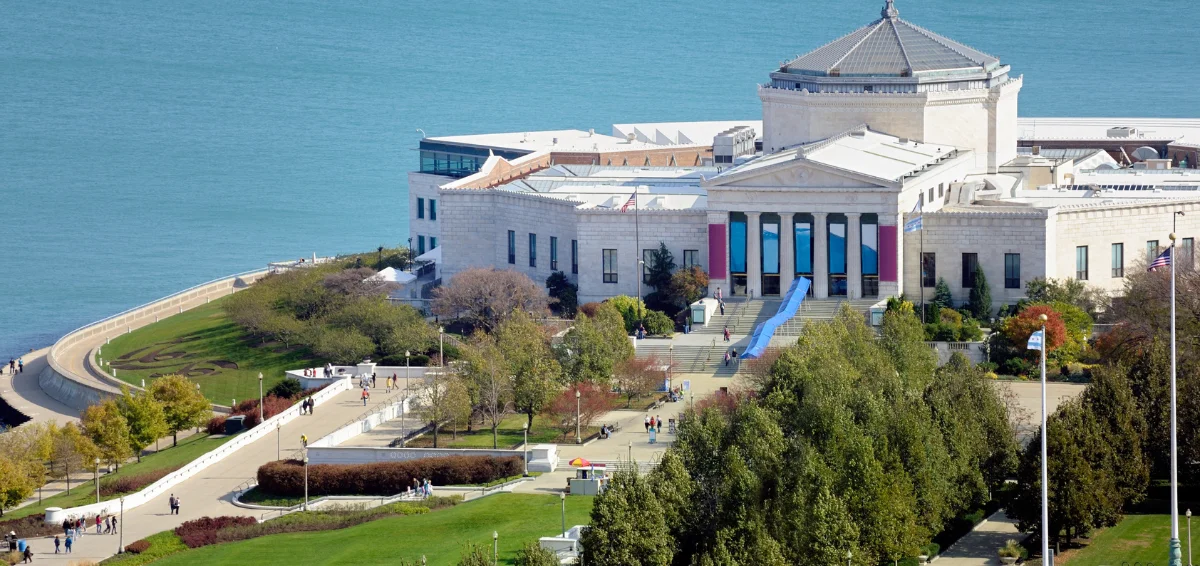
x: 803, y: 233
x: 737, y: 252
x: 770, y: 254
x: 837, y: 255
x: 870, y: 255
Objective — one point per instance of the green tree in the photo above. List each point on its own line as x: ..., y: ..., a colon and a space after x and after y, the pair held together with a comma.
x: 688, y: 285
x: 17, y: 481
x: 486, y: 367
x: 660, y: 268
x: 659, y: 324
x: 146, y: 419
x: 564, y: 295
x: 343, y: 345
x: 109, y: 431
x: 594, y: 345
x: 70, y: 451
x: 1073, y: 291
x: 529, y: 359
x: 632, y: 311
x: 942, y: 299
x: 183, y: 404
x: 979, y: 302
x: 628, y: 527
x: 532, y: 554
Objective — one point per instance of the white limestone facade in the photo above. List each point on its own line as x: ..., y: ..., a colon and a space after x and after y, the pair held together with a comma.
x: 599, y: 230
x: 424, y: 226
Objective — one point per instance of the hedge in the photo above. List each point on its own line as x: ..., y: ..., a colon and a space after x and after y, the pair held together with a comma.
x: 130, y: 484
x: 32, y: 526
x: 203, y: 531
x: 286, y: 478
x: 138, y: 547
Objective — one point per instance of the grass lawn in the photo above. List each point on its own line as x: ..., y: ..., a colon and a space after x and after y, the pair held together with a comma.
x: 1137, y: 538
x: 189, y: 449
x: 508, y: 435
x: 439, y: 535
x: 207, y: 347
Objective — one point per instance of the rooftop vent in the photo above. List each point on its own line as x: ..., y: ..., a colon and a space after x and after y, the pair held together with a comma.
x: 1037, y: 150
x: 903, y: 141
x: 1122, y: 132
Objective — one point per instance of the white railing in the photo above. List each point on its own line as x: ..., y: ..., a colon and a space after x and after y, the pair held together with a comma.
x: 171, y: 480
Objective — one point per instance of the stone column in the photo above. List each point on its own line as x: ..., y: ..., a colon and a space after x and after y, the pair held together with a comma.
x: 787, y: 251
x: 820, y: 255
x: 754, y: 254
x: 853, y: 255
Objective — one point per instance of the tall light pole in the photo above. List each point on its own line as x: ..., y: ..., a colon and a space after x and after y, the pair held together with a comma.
x: 577, y: 439
x: 120, y: 527
x: 671, y: 368
x: 849, y: 555
x: 562, y: 495
x: 278, y: 433
x: 525, y: 446
x: 404, y: 397
x: 441, y: 346
x: 495, y: 548
x: 1175, y: 557
x: 260, y: 398
x: 97, y: 478
x: 1189, y: 518
x: 306, y: 479
x: 1046, y: 558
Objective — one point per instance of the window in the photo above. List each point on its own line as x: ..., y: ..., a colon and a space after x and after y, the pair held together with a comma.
x: 1118, y: 260
x: 1151, y: 250
x: 532, y: 250
x: 512, y: 247
x: 432, y: 243
x: 1012, y: 271
x: 433, y: 209
x: 928, y: 270
x: 610, y: 266
x: 647, y: 259
x: 1187, y: 255
x: 930, y: 194
x: 969, y: 263
x: 420, y: 207
x: 575, y: 257
x: 420, y: 245
x: 691, y: 258
x: 941, y: 190
x: 553, y: 253
x: 1081, y: 263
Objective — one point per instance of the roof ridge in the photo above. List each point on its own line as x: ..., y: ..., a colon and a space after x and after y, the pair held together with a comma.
x: 830, y: 42
x: 900, y: 41
x: 857, y: 44
x: 948, y: 43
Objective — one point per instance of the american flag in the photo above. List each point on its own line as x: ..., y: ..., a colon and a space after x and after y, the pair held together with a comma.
x: 1163, y: 260
x: 632, y: 202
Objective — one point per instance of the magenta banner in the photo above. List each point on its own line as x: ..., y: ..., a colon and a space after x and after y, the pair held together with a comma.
x: 887, y: 253
x: 716, y: 251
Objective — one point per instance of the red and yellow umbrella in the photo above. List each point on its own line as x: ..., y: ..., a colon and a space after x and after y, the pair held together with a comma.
x: 579, y: 463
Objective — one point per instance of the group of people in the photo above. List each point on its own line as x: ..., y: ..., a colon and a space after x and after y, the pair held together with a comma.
x: 11, y: 540
x: 731, y: 355
x: 306, y: 406
x: 420, y: 488
x: 174, y: 502
x: 15, y: 366
x: 392, y: 382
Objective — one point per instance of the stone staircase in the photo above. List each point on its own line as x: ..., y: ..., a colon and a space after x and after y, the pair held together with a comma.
x: 824, y: 309
x: 687, y: 358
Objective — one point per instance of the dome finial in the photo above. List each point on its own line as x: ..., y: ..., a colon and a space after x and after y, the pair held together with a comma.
x: 890, y: 11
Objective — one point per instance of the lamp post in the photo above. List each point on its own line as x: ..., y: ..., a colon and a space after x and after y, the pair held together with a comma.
x: 562, y: 495
x: 1189, y: 518
x: 441, y: 346
x: 849, y: 555
x: 495, y: 548
x: 525, y: 446
x: 278, y: 433
x: 577, y: 439
x: 1046, y: 557
x: 1174, y: 557
x: 404, y: 398
x: 260, y: 398
x: 671, y: 368
x: 121, y: 533
x: 306, y: 479
x: 97, y: 478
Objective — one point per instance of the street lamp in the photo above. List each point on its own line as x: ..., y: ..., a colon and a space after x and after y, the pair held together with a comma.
x: 97, y: 479
x: 577, y: 439
x: 441, y: 348
x: 671, y: 368
x: 404, y: 398
x: 1189, y: 518
x: 525, y: 446
x: 121, y: 533
x: 260, y: 398
x: 849, y: 555
x: 495, y: 548
x: 562, y: 495
x: 306, y: 479
x: 1046, y: 556
x: 278, y: 433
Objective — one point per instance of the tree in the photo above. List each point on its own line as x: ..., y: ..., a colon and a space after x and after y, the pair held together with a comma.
x: 979, y: 302
x: 659, y: 324
x: 357, y: 282
x: 146, y: 418
x: 1073, y: 291
x: 658, y: 272
x: 485, y: 297
x: 283, y: 327
x: 23, y: 451
x: 632, y: 310
x: 689, y: 285
x: 109, y: 431
x: 446, y: 399
x: 183, y: 404
x: 638, y: 377
x: 1017, y: 329
x: 942, y: 299
x: 71, y: 450
x: 594, y: 345
x: 488, y: 370
x: 532, y: 554
x: 394, y: 329
x: 628, y: 526
x: 529, y: 359
x: 16, y: 481
x: 564, y: 295
x: 593, y: 401
x: 475, y: 555
x: 343, y: 345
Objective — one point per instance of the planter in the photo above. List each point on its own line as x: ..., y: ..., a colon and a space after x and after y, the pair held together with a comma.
x: 1008, y: 560
x: 923, y: 559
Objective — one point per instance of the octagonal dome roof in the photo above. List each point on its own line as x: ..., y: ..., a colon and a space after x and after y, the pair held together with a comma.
x: 891, y: 47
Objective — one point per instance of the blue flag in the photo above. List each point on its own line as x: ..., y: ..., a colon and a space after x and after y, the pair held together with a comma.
x: 1035, y: 341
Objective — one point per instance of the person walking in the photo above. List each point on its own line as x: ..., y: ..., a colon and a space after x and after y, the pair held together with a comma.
x: 304, y: 441
x: 66, y: 527
x: 718, y: 293
x: 174, y: 504
x: 21, y: 365
x: 366, y: 394
x: 68, y: 542
x: 12, y: 365
x: 721, y: 304
x: 28, y: 554
x: 726, y: 332
x: 57, y: 544
x: 97, y: 523
x: 178, y: 504
x: 646, y: 423
x: 114, y: 524
x: 726, y: 358
x: 107, y: 524
x: 311, y: 405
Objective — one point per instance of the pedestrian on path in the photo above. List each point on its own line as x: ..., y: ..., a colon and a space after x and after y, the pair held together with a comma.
x: 28, y: 554
x: 647, y: 423
x: 726, y: 332
x: 718, y: 293
x: 70, y: 540
x: 727, y: 358
x: 57, y: 544
x: 366, y: 394
x: 721, y: 304
x: 12, y: 365
x: 97, y: 523
x: 174, y: 504
x: 66, y: 527
x: 21, y: 365
x: 108, y: 524
x: 114, y: 524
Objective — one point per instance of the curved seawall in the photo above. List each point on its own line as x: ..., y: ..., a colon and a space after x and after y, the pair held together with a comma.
x: 68, y: 375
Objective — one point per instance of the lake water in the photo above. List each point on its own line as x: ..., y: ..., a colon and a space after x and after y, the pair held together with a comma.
x: 148, y: 147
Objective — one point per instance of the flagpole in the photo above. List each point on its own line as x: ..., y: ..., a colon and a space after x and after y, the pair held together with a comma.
x: 1175, y: 557
x: 637, y: 252
x: 1047, y: 559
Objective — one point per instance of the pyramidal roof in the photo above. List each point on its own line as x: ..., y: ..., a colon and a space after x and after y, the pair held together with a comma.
x: 890, y: 47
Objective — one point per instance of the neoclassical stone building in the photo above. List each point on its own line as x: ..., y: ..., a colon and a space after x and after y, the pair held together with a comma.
x: 889, y: 125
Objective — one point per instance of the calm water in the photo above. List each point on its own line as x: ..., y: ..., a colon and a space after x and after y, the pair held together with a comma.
x: 147, y: 147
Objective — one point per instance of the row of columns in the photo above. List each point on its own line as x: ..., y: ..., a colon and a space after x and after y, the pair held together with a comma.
x: 787, y: 253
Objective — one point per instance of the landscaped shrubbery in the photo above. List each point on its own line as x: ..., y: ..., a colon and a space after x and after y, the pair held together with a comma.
x: 203, y: 531
x: 272, y: 406
x: 31, y: 526
x: 130, y: 484
x: 156, y: 547
x: 658, y: 324
x: 138, y: 547
x: 286, y: 478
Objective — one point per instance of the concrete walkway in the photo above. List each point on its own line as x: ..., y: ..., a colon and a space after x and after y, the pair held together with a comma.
x: 210, y: 492
x: 23, y: 393
x: 979, y: 546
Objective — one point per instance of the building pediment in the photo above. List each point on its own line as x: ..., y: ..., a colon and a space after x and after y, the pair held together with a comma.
x: 800, y: 174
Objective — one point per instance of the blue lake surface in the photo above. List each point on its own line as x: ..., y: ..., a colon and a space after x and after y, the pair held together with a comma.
x: 148, y: 147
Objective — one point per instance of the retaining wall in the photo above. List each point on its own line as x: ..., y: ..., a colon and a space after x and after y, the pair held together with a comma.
x: 542, y: 457
x: 79, y: 391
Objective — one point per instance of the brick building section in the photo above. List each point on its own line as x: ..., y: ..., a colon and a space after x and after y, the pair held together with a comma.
x: 505, y: 171
x: 1175, y: 152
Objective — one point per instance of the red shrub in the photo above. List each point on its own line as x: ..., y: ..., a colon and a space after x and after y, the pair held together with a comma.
x: 286, y: 478
x: 272, y: 406
x: 130, y: 484
x: 138, y: 547
x: 203, y: 531
x: 216, y: 425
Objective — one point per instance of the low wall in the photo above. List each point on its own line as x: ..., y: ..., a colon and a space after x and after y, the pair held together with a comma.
x: 364, y: 424
x: 542, y: 457
x: 56, y: 516
x: 78, y: 391
x: 972, y: 350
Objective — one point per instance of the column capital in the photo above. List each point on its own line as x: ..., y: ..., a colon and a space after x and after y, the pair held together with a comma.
x: 819, y: 214
x: 853, y: 215
x: 754, y: 214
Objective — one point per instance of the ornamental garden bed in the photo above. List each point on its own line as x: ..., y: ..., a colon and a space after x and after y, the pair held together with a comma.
x: 286, y: 478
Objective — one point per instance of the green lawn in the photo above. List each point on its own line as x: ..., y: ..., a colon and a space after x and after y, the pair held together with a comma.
x: 508, y: 435
x: 189, y: 449
x: 1137, y: 538
x: 439, y: 535
x: 207, y: 347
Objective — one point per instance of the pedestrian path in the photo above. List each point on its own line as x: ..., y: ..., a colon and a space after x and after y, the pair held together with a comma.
x: 211, y: 491
x: 979, y: 546
x: 23, y: 393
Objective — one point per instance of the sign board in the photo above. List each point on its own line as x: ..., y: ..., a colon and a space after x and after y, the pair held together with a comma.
x: 913, y: 225
x: 687, y: 385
